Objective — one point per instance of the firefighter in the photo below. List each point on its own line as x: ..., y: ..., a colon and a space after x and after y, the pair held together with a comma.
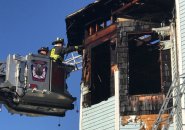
x: 43, y: 51
x: 58, y: 51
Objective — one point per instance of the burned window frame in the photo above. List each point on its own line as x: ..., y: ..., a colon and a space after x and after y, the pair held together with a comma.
x: 148, y: 50
x: 127, y: 106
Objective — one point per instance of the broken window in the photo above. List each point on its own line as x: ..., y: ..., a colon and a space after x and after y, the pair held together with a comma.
x: 144, y: 65
x: 100, y: 73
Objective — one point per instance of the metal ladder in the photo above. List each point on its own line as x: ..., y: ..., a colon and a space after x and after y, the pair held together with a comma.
x: 75, y: 60
x: 175, y: 93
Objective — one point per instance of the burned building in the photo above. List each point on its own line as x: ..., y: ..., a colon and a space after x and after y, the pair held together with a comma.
x: 137, y: 39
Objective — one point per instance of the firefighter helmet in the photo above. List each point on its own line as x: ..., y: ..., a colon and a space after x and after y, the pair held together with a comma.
x: 58, y: 40
x: 43, y: 49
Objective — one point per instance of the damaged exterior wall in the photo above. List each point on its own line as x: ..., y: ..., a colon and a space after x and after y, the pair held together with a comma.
x: 129, y: 104
x: 91, y: 42
x: 119, y: 57
x: 141, y: 122
x: 133, y: 104
x: 98, y: 90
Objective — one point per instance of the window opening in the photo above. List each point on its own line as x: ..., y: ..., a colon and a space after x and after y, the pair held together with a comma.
x: 100, y: 73
x: 144, y: 64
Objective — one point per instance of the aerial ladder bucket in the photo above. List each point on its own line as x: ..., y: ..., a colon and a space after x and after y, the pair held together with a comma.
x: 35, y: 85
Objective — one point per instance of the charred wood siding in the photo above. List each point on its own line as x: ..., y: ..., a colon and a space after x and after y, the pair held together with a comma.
x: 132, y: 104
x: 117, y: 36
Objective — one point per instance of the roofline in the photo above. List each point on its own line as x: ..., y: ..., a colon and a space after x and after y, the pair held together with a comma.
x: 80, y: 10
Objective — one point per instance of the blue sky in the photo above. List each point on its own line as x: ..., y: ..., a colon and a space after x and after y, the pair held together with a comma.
x: 25, y: 26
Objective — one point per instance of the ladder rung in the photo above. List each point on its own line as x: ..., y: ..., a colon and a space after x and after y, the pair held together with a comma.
x: 178, y: 89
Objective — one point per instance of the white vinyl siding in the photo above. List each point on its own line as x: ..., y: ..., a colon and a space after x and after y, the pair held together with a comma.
x: 100, y: 116
x: 182, y: 31
x: 180, y: 11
